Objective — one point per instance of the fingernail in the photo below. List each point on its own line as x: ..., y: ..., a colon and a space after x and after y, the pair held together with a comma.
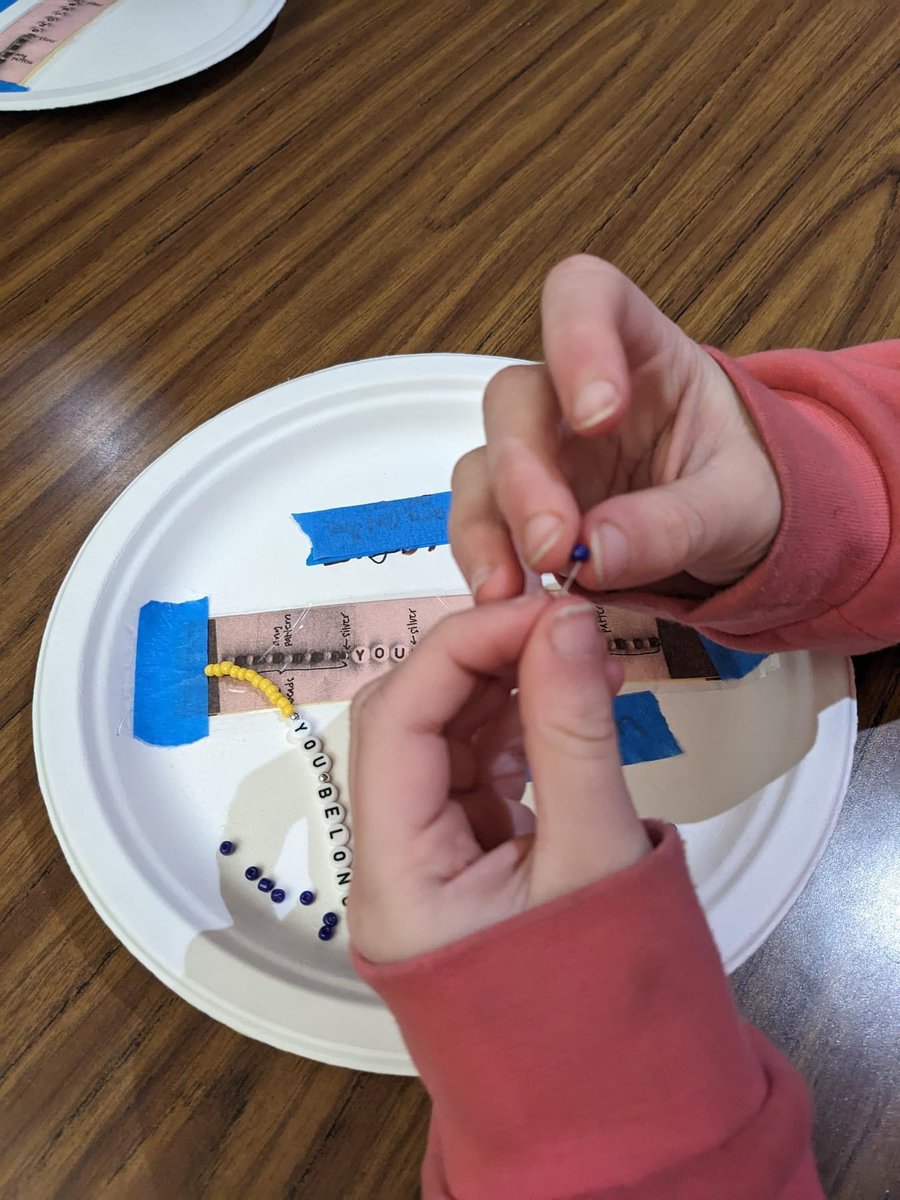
x: 609, y: 553
x: 541, y: 534
x: 480, y: 578
x: 593, y: 404
x: 575, y: 632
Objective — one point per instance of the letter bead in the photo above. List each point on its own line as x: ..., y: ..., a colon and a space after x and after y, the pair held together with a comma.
x: 338, y: 835
x: 341, y: 856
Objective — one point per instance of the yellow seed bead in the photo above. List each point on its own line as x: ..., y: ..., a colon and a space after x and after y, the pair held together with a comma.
x: 227, y: 667
x: 207, y: 670
x: 217, y: 670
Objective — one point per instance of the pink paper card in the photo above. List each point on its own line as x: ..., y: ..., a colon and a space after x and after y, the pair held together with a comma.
x: 28, y: 42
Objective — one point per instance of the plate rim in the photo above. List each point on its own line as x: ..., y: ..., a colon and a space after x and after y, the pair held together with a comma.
x: 257, y: 18
x: 198, y: 994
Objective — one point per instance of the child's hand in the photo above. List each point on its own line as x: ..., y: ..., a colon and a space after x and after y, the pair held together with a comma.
x: 629, y: 423
x: 442, y: 845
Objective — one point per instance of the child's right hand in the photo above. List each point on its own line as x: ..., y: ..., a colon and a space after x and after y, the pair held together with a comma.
x: 631, y: 439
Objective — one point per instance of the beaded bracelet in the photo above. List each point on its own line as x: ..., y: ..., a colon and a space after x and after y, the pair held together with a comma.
x: 327, y: 792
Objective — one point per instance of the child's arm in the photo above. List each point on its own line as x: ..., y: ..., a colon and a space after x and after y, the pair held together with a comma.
x: 831, y: 426
x: 558, y: 988
x: 770, y: 484
x: 591, y: 1049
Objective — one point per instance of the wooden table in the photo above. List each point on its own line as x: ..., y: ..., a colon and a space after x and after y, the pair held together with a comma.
x: 390, y: 177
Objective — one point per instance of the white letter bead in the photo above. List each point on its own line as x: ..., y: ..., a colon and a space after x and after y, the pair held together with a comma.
x: 338, y: 835
x: 341, y: 856
x: 379, y: 653
x: 335, y: 812
x: 343, y: 878
x: 328, y: 794
x: 311, y: 745
x: 321, y: 761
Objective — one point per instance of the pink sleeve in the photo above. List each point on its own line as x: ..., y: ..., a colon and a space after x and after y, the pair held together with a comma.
x: 590, y: 1048
x: 831, y: 425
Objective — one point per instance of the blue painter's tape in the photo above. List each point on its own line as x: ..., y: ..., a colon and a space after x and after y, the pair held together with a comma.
x: 731, y: 664
x: 644, y: 733
x: 5, y: 4
x: 171, y: 705
x: 11, y: 87
x: 361, y: 530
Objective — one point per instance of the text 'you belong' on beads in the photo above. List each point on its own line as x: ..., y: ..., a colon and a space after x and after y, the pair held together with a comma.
x: 328, y: 794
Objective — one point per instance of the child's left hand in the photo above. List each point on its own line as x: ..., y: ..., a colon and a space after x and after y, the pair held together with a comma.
x: 442, y: 845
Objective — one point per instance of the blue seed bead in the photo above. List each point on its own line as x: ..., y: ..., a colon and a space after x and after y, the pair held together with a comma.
x: 265, y: 885
x: 278, y: 895
x: 226, y: 848
x: 330, y: 919
x: 307, y: 897
x: 580, y: 553
x: 326, y: 933
x: 251, y: 873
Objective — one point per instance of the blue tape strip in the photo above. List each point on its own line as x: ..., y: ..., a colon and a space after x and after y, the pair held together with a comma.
x: 361, y: 530
x: 11, y: 87
x: 5, y: 4
x: 644, y: 733
x: 731, y: 664
x: 171, y: 705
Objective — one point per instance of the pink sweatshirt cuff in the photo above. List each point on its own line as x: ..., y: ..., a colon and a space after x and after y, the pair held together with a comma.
x: 593, y: 1038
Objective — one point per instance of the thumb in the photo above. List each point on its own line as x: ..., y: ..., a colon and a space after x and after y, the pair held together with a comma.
x: 587, y: 826
x: 696, y: 524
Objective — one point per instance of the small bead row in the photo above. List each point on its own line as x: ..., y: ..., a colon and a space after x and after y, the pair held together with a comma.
x: 247, y: 675
x: 327, y: 792
x: 329, y: 919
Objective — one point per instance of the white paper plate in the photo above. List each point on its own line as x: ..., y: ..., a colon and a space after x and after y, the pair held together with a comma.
x: 140, y: 825
x: 136, y: 45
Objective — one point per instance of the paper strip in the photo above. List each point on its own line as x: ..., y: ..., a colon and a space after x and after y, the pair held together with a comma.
x: 364, y: 530
x: 171, y: 693
x: 644, y: 733
x: 731, y: 664
x: 39, y: 32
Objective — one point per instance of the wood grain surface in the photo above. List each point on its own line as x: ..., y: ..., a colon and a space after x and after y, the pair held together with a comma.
x: 389, y: 177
